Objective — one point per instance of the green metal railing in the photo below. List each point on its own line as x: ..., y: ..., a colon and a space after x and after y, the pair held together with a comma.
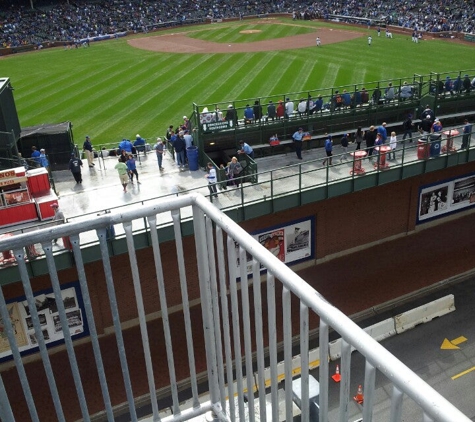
x: 218, y: 135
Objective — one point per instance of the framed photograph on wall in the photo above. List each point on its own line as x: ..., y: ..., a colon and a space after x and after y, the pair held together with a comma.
x: 291, y: 243
x: 49, y: 320
x: 445, y: 198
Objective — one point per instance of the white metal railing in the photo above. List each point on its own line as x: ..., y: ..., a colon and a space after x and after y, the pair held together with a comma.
x: 228, y: 329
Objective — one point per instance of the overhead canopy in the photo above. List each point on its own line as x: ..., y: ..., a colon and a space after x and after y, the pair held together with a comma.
x: 45, y: 129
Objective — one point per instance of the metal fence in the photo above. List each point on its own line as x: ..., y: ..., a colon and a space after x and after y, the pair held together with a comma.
x: 237, y: 347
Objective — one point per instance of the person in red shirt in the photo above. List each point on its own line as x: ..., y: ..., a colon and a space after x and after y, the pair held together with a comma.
x: 280, y: 110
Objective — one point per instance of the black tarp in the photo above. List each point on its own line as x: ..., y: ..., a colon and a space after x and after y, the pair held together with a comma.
x: 56, y: 139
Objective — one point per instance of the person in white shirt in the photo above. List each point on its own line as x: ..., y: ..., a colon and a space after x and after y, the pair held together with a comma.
x: 302, y: 107
x: 393, y: 145
x: 211, y: 176
x: 289, y: 108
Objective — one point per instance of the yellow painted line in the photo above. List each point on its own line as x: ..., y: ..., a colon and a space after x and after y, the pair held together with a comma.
x: 452, y: 344
x: 314, y: 364
x: 458, y: 340
x: 296, y: 371
x: 463, y: 373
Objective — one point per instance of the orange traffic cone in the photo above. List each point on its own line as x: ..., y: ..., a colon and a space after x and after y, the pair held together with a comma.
x: 359, y: 398
x: 337, y: 377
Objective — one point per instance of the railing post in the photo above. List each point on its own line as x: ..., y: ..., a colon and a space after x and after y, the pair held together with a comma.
x: 323, y: 370
x: 205, y: 294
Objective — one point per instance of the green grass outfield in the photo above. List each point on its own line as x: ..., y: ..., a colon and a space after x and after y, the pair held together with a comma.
x: 111, y: 90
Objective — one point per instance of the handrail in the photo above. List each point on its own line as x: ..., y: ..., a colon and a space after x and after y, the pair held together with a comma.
x: 404, y: 380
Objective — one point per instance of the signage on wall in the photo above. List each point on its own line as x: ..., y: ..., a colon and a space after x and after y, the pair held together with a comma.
x: 291, y: 243
x: 446, y: 198
x: 45, y: 302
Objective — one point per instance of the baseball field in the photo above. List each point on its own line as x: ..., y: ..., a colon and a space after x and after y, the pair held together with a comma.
x: 143, y: 83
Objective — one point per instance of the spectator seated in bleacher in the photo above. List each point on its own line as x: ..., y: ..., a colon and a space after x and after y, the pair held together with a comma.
x: 302, y: 107
x: 257, y: 110
x: 318, y: 104
x: 346, y: 97
x: 139, y: 143
x: 406, y: 92
x: 337, y: 101
x: 357, y: 100
x: 364, y: 96
x: 376, y: 96
x: 248, y: 115
x: 231, y: 115
x: 389, y: 93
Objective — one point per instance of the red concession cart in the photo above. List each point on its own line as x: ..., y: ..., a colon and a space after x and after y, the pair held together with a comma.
x: 25, y: 196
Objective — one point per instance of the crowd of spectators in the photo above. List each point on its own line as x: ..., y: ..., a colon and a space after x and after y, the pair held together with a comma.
x: 71, y: 20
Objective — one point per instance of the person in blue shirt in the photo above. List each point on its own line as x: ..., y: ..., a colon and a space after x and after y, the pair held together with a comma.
x: 437, y: 126
x: 246, y: 149
x: 132, y: 169
x: 344, y: 146
x: 318, y: 104
x: 35, y: 155
x: 346, y: 98
x: 297, y: 137
x: 44, y: 160
x: 328, y: 150
x: 457, y: 85
x: 449, y: 86
x: 383, y: 132
x: 357, y: 98
x: 125, y: 145
x: 139, y: 144
x: 248, y: 114
x: 467, y: 132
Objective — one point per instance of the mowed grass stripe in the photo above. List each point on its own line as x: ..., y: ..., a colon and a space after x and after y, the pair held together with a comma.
x: 173, y: 95
x: 233, y: 80
x: 212, y: 81
x: 84, y: 90
x: 253, y: 86
x: 161, y: 98
x: 112, y: 102
x: 81, y: 93
x: 271, y: 75
x: 287, y: 67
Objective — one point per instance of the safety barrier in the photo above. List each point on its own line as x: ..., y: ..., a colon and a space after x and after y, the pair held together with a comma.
x: 233, y: 341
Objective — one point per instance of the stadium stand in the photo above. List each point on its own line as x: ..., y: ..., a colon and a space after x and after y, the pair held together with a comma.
x: 75, y: 20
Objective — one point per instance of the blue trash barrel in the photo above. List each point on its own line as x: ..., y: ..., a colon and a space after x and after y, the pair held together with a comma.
x: 192, y: 154
x: 435, y: 139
